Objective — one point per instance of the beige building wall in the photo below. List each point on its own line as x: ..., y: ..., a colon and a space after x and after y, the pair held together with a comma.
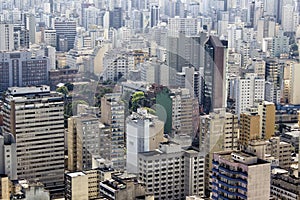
x: 76, y: 186
x: 231, y: 131
x: 156, y: 135
x: 93, y: 183
x: 267, y: 112
x: 258, y: 186
x: 249, y: 128
x: 5, y: 187
x: 98, y: 61
x: 105, y: 110
x: 280, y: 150
x: 74, y: 147
x: 295, y: 83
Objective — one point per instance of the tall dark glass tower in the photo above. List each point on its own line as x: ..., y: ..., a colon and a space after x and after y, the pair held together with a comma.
x: 154, y: 15
x: 116, y: 18
x: 214, y: 75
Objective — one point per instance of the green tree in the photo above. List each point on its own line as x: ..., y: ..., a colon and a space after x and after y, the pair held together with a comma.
x: 63, y: 90
x: 137, y: 100
x: 70, y: 86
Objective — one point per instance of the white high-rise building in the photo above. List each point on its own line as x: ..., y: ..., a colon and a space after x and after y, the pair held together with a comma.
x: 288, y: 18
x: 144, y: 133
x: 295, y: 82
x: 6, y: 37
x: 248, y: 90
x: 8, y: 156
x: 50, y: 37
x: 186, y: 26
x: 172, y: 172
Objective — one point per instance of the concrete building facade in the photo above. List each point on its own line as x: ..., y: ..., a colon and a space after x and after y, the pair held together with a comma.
x: 19, y: 69
x: 240, y: 175
x: 35, y: 117
x: 172, y: 172
x: 113, y: 115
x: 144, y: 132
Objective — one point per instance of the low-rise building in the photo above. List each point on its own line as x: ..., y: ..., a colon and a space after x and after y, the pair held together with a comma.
x: 291, y: 138
x: 76, y: 186
x: 280, y: 150
x: 285, y: 186
x: 122, y: 186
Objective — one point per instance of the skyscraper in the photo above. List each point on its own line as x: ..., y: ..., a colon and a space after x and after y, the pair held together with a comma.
x: 214, y: 75
x: 83, y: 141
x: 6, y: 37
x: 66, y: 29
x: 266, y: 110
x: 248, y: 90
x: 154, y: 15
x: 35, y: 117
x: 144, y: 132
x: 113, y: 115
x: 116, y: 18
x: 218, y: 132
x: 249, y: 127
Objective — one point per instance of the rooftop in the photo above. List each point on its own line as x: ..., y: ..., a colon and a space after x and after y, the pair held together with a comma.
x: 76, y: 174
x: 240, y: 157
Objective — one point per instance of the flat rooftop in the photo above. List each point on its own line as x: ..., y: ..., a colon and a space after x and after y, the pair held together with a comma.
x: 75, y: 174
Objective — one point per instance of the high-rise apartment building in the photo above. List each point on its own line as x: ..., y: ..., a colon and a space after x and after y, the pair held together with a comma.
x: 182, y: 111
x: 249, y: 128
x: 116, y: 18
x: 231, y: 131
x: 287, y: 22
x: 6, y: 37
x: 35, y: 117
x: 8, y: 156
x: 214, y: 75
x: 259, y: 66
x: 85, y: 184
x: 272, y: 76
x: 248, y: 90
x: 83, y: 141
x: 65, y: 29
x: 190, y: 79
x: 294, y: 84
x: 116, y: 67
x: 19, y: 69
x: 186, y: 26
x: 266, y: 110
x: 240, y: 175
x: 285, y: 186
x: 172, y: 172
x: 218, y: 132
x: 154, y: 15
x: 49, y: 37
x: 144, y: 132
x: 113, y: 115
